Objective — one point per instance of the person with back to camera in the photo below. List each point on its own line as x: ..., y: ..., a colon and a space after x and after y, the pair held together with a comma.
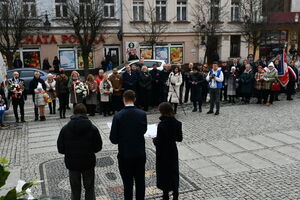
x: 169, y: 131
x: 127, y: 131
x: 79, y: 140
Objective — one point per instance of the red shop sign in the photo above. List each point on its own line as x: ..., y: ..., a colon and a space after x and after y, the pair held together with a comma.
x: 52, y: 39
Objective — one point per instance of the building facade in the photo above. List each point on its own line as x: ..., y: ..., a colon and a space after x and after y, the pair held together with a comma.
x: 179, y: 43
x: 58, y: 39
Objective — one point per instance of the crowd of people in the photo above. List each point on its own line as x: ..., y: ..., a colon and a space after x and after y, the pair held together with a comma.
x: 225, y: 81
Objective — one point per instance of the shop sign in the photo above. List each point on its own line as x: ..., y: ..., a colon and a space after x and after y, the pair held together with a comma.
x: 53, y: 39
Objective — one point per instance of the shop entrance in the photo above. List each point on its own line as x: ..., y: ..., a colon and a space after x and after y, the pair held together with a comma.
x: 112, y: 55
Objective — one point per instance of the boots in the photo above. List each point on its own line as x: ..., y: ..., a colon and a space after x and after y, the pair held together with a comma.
x: 50, y: 108
x: 195, y: 107
x: 42, y: 118
x: 36, y: 114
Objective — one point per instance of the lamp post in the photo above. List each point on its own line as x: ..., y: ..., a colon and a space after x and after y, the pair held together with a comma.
x: 47, y: 23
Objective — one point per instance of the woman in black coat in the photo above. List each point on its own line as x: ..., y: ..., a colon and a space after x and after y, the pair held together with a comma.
x: 196, y: 82
x: 169, y: 131
x: 145, y: 87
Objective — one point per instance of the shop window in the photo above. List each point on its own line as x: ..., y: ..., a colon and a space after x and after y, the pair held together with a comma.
x: 162, y: 53
x: 80, y: 60
x: 214, y: 10
x: 138, y: 10
x: 176, y: 55
x: 235, y: 10
x: 235, y: 46
x: 161, y: 10
x: 67, y: 59
x: 32, y: 59
x: 109, y: 8
x: 181, y: 10
x: 61, y: 8
x: 29, y: 8
x: 146, y: 52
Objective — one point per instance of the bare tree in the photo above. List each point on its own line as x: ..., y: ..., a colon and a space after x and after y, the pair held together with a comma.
x: 13, y: 25
x: 87, y: 20
x: 252, y: 22
x: 206, y: 20
x: 152, y: 28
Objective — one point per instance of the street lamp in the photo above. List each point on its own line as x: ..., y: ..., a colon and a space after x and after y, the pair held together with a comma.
x: 47, y: 23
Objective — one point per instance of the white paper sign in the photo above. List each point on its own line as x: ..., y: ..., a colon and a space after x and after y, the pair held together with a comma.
x: 151, y: 130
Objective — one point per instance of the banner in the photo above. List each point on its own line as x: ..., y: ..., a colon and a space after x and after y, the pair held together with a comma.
x: 283, y: 73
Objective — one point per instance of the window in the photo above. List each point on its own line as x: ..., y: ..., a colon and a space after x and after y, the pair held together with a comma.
x: 29, y: 8
x: 181, y: 10
x: 61, y: 8
x: 235, y: 45
x: 85, y: 7
x: 109, y: 8
x: 27, y: 73
x: 235, y: 11
x: 161, y: 10
x: 138, y: 10
x: 214, y: 10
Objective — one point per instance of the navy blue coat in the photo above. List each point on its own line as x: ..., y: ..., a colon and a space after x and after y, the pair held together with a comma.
x: 127, y: 131
x: 130, y: 81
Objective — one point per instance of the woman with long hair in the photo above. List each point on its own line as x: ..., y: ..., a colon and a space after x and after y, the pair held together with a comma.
x: 174, y: 82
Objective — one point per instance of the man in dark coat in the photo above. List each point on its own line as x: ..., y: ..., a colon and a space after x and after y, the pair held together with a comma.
x: 32, y: 86
x: 293, y: 79
x: 157, y: 85
x: 127, y: 131
x: 187, y: 82
x: 18, y: 63
x: 164, y: 78
x: 79, y: 140
x: 130, y: 79
x: 169, y: 131
x: 226, y: 71
x: 17, y: 95
x: 196, y: 81
x: 145, y: 87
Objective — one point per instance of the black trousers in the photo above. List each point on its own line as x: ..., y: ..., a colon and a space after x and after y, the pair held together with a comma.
x: 20, y: 104
x: 259, y: 95
x: 157, y: 93
x: 165, y: 93
x: 214, y: 99
x: 91, y: 108
x: 133, y: 170
x: 63, y: 102
x: 106, y: 107
x: 224, y: 93
x: 187, y: 92
x: 88, y: 179
x: 267, y: 94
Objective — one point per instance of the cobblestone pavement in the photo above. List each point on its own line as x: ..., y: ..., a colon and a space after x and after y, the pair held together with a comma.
x: 247, y: 152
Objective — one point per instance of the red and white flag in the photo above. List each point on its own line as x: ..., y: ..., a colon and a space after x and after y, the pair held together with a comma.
x: 283, y: 71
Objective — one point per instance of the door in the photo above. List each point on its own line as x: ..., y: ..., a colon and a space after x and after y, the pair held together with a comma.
x: 112, y: 54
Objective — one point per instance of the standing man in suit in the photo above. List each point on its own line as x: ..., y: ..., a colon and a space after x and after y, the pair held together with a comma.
x: 127, y: 131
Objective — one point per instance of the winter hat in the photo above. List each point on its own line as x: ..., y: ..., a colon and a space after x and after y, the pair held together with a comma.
x: 271, y: 64
x: 259, y: 67
x: 49, y: 75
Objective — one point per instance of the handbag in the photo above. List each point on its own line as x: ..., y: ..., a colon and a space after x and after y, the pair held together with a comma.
x: 275, y: 87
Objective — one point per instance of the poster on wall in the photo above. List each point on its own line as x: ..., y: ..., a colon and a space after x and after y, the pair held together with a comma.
x: 146, y: 53
x: 67, y: 59
x: 176, y: 55
x: 80, y: 60
x: 162, y: 53
x: 132, y: 49
x: 32, y: 59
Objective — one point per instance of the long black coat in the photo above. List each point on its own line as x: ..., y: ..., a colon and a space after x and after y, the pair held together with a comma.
x: 196, y: 90
x: 169, y: 131
x: 79, y: 140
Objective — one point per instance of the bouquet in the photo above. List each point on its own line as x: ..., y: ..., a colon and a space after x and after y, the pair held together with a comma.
x: 46, y: 97
x: 17, y: 90
x: 81, y: 88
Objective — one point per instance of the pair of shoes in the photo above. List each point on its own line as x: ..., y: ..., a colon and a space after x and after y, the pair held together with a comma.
x: 2, y: 125
x: 217, y: 113
x: 210, y: 112
x: 194, y: 110
x: 42, y: 118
